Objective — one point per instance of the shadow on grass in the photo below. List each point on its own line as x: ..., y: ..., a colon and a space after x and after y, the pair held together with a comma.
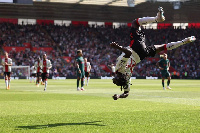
x: 93, y: 123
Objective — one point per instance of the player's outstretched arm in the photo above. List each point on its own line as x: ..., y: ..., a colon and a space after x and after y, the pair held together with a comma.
x: 123, y: 95
x: 126, y: 51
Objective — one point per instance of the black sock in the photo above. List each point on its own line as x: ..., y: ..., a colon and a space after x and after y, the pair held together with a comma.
x: 163, y: 84
x: 82, y: 83
x: 168, y: 82
x: 77, y: 83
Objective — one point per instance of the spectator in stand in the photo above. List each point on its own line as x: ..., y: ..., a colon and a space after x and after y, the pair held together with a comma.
x: 66, y: 39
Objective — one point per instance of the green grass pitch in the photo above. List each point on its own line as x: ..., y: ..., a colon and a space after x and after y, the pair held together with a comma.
x: 26, y: 108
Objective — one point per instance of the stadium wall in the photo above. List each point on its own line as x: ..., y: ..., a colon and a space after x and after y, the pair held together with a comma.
x: 24, y: 21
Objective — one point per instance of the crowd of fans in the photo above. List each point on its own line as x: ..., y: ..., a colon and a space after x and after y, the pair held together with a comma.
x: 94, y: 41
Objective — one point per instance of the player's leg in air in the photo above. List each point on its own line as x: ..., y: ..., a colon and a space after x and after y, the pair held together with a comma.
x: 137, y: 48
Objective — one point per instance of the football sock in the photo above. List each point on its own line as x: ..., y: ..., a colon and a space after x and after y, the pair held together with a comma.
x: 168, y: 82
x: 163, y: 84
x: 30, y: 79
x: 145, y: 20
x: 88, y: 80
x: 45, y: 85
x: 6, y: 81
x: 77, y: 83
x: 174, y: 45
x: 82, y: 83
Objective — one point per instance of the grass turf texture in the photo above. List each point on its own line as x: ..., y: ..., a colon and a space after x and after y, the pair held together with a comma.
x: 61, y: 109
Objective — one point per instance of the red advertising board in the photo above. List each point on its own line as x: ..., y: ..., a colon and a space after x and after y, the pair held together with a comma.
x: 17, y: 49
x: 45, y: 22
x: 164, y: 25
x: 9, y: 20
x: 193, y: 25
x: 47, y: 49
x: 27, y: 45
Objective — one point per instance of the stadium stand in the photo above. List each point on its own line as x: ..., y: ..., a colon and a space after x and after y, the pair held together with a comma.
x: 94, y: 41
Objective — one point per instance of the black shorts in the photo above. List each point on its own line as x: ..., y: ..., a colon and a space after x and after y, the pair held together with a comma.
x: 38, y: 74
x: 113, y: 73
x: 87, y: 74
x: 7, y: 74
x: 45, y: 76
x: 33, y: 75
x: 143, y: 52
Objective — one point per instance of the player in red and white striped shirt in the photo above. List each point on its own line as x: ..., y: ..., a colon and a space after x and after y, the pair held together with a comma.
x: 45, y: 65
x: 38, y: 71
x: 87, y: 70
x: 7, y: 63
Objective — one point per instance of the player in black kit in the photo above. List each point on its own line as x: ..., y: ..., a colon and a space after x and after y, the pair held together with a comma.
x: 137, y: 51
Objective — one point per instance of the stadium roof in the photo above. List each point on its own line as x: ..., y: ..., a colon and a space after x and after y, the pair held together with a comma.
x: 100, y: 2
x: 130, y: 3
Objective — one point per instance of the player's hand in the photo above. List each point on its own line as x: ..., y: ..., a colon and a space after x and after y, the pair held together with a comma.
x: 114, y: 45
x: 161, y: 68
x: 6, y: 63
x: 79, y: 71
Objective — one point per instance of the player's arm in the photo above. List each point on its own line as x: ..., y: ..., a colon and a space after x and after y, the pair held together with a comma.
x: 126, y: 51
x: 158, y: 64
x: 41, y: 65
x: 9, y: 64
x: 77, y: 66
x: 3, y: 63
x: 89, y: 68
x: 50, y: 65
x: 168, y: 65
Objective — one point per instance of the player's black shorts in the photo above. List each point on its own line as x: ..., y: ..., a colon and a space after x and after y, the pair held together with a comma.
x: 7, y: 74
x: 143, y: 52
x: 33, y: 75
x: 87, y: 74
x: 113, y: 73
x: 45, y: 76
x: 38, y: 74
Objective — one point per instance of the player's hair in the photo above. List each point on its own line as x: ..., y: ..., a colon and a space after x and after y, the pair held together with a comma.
x: 79, y: 51
x: 5, y: 52
x: 121, y: 80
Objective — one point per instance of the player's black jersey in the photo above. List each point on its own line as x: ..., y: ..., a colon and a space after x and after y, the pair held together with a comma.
x: 137, y: 38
